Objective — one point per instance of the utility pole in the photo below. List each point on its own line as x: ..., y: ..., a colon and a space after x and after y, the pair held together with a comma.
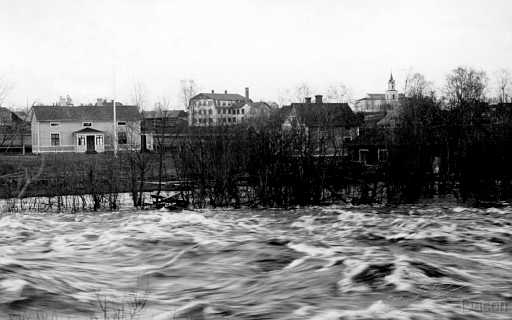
x: 114, y: 113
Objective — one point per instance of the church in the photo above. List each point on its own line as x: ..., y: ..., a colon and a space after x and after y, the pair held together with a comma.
x: 379, y: 102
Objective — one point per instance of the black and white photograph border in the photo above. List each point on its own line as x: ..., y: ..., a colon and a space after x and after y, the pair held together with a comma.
x: 255, y: 159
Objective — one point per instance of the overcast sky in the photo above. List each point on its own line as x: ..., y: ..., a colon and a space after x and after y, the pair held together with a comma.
x: 54, y: 48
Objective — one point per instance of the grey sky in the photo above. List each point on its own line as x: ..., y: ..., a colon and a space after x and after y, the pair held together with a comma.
x: 53, y: 48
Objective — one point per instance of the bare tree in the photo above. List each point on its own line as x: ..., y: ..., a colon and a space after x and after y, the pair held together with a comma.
x: 188, y: 89
x: 301, y: 91
x: 161, y: 135
x: 139, y: 95
x: 5, y: 87
x: 465, y: 85
x: 338, y: 92
x: 417, y: 86
x: 503, y: 80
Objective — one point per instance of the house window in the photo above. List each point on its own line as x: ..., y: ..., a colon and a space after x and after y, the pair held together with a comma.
x: 383, y: 154
x: 99, y: 140
x: 122, y: 138
x: 87, y: 124
x: 243, y: 110
x: 121, y: 123
x: 81, y: 140
x: 54, y: 124
x: 55, y: 139
x: 238, y: 111
x: 347, y: 139
x: 210, y: 111
x: 363, y: 155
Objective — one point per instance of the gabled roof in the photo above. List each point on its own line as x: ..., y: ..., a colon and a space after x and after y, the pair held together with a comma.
x: 325, y: 114
x: 87, y: 130
x: 85, y: 113
x: 219, y: 96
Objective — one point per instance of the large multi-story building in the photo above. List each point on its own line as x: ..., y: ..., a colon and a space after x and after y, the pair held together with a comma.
x: 210, y: 109
x: 207, y: 109
x: 379, y: 102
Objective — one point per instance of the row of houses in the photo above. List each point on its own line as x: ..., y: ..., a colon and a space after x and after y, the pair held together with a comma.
x: 91, y: 128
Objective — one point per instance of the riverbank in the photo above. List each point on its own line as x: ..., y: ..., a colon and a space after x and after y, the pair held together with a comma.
x: 57, y: 174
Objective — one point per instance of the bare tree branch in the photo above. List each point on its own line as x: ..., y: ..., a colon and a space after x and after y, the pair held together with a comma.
x: 188, y: 89
x: 139, y: 95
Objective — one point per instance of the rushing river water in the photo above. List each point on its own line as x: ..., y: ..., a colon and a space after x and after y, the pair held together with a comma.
x: 425, y: 262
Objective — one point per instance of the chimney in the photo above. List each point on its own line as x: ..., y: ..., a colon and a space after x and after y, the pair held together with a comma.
x: 308, y: 100
x: 225, y: 91
x: 213, y: 91
x: 318, y: 99
x: 247, y: 94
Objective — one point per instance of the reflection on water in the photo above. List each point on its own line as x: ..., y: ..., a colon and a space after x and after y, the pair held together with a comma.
x: 423, y: 262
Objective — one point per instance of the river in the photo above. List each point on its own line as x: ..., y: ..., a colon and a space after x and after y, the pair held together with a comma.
x: 409, y: 262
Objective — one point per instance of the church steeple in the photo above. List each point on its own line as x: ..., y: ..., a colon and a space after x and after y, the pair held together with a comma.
x: 391, y: 83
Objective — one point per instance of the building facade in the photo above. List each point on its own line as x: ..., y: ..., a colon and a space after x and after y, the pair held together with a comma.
x: 162, y: 129
x: 380, y: 102
x: 14, y: 132
x: 84, y: 128
x: 211, y: 109
x: 334, y: 123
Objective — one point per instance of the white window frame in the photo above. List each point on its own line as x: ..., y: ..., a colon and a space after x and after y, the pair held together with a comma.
x: 383, y: 150
x: 54, y: 124
x: 60, y: 141
x: 89, y: 122
x: 98, y: 140
x: 121, y: 123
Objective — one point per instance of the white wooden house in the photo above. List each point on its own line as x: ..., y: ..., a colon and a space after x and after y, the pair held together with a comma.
x: 84, y: 128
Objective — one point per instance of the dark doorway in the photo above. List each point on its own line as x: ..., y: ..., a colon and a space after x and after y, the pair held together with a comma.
x: 90, y: 144
x: 143, y: 146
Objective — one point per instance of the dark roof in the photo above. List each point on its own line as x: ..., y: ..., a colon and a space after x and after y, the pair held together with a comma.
x: 219, y: 96
x: 259, y: 104
x: 85, y: 113
x: 372, y: 118
x: 325, y: 114
x: 88, y: 130
x: 376, y: 96
x: 164, y: 114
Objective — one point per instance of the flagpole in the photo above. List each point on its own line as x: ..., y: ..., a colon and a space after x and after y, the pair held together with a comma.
x: 114, y: 113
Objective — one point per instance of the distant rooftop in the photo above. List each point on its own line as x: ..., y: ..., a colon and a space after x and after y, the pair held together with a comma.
x: 85, y: 113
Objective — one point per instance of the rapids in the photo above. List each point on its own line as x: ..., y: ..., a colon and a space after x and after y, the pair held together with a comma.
x: 410, y: 262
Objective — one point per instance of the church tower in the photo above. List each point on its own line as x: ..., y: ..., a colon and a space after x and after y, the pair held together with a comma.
x: 391, y: 83
x: 391, y: 93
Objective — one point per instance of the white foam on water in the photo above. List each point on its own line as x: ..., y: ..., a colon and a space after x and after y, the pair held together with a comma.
x: 312, y: 251
x: 10, y: 290
x: 378, y: 310
x: 353, y: 267
x: 305, y: 222
x: 303, y: 311
x: 296, y: 262
x: 400, y: 275
x: 498, y: 211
